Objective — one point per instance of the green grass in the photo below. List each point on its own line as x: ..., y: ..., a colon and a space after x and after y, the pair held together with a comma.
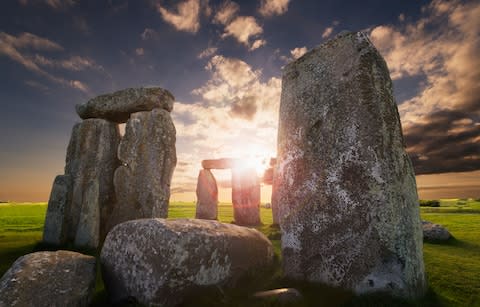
x: 453, y: 268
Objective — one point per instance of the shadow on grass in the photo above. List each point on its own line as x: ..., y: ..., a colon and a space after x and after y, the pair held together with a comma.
x: 454, y: 242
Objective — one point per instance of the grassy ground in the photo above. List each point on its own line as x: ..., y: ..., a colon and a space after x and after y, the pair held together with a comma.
x: 453, y: 268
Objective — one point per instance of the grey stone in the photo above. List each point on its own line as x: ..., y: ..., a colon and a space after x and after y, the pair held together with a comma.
x: 245, y: 196
x: 92, y: 156
x: 148, y: 157
x: 283, y: 296
x: 435, y: 232
x: 55, y: 231
x: 118, y: 106
x: 207, y: 196
x: 158, y: 261
x: 88, y: 230
x: 60, y: 278
x: 343, y: 184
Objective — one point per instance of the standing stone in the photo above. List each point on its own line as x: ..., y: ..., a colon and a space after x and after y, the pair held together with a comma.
x: 60, y: 278
x: 207, y: 196
x: 245, y: 196
x: 55, y: 231
x: 148, y: 157
x: 92, y: 156
x: 118, y: 106
x: 88, y: 230
x: 344, y: 185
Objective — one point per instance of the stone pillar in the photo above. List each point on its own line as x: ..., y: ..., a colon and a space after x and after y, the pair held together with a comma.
x: 91, y: 156
x: 207, y: 196
x: 55, y: 230
x: 245, y: 196
x: 148, y: 157
x: 344, y: 185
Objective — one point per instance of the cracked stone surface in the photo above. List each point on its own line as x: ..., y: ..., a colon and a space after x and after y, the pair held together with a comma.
x: 343, y: 184
x: 207, y: 196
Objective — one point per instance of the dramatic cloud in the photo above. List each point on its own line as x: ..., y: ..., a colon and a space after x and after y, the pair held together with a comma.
x: 186, y: 18
x: 298, y: 52
x: 226, y: 12
x: 242, y: 28
x: 15, y: 47
x: 273, y: 7
x: 207, y: 52
x: 442, y: 122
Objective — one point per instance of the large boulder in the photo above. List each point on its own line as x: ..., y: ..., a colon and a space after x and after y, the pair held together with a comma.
x: 245, y: 196
x: 92, y: 159
x: 159, y: 262
x: 148, y: 156
x: 435, y: 232
x: 55, y: 229
x: 344, y: 186
x: 118, y: 106
x: 60, y: 278
x: 207, y: 196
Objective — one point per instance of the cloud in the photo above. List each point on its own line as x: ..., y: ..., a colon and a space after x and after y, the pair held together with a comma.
x: 226, y: 12
x: 441, y: 123
x: 328, y: 31
x: 55, y: 4
x: 139, y: 51
x: 244, y: 108
x: 15, y: 48
x: 242, y: 28
x: 207, y: 52
x: 186, y: 18
x: 148, y: 33
x: 298, y: 52
x: 273, y: 7
x: 74, y: 63
x: 257, y: 44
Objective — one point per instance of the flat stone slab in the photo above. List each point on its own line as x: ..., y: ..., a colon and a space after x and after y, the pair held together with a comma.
x: 224, y: 163
x: 60, y: 278
x: 118, y: 106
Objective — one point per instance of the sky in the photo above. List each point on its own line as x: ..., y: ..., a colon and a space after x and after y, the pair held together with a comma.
x: 223, y: 61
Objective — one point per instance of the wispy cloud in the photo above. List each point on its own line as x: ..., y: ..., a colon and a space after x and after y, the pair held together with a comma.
x: 226, y: 12
x: 210, y: 51
x: 273, y: 7
x: 242, y: 28
x: 16, y: 48
x: 442, y: 122
x: 55, y: 4
x: 186, y: 17
x: 298, y: 52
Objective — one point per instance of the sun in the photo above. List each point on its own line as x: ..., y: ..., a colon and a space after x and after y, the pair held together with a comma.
x: 254, y: 157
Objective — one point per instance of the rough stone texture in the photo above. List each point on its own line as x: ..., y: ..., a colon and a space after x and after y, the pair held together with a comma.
x: 435, y: 232
x: 224, y: 163
x: 60, y: 278
x: 207, y: 196
x: 148, y: 157
x: 118, y: 106
x: 343, y: 183
x: 245, y: 196
x: 88, y: 230
x: 55, y: 231
x: 158, y: 261
x: 92, y: 156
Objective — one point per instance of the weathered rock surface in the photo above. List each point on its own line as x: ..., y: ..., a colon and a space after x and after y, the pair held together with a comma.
x: 88, y: 230
x: 158, y: 261
x: 148, y: 156
x: 207, y: 196
x: 343, y: 184
x: 245, y: 196
x: 55, y: 231
x: 435, y: 232
x: 92, y: 157
x: 224, y: 163
x: 60, y: 278
x: 118, y: 106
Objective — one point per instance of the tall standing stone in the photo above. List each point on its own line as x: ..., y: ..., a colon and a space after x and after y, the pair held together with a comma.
x: 88, y: 230
x: 148, y: 157
x: 55, y: 230
x: 245, y: 196
x: 207, y: 196
x: 92, y: 156
x: 344, y: 185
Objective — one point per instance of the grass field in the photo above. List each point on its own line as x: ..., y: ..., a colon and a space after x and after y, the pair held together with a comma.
x: 453, y: 268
